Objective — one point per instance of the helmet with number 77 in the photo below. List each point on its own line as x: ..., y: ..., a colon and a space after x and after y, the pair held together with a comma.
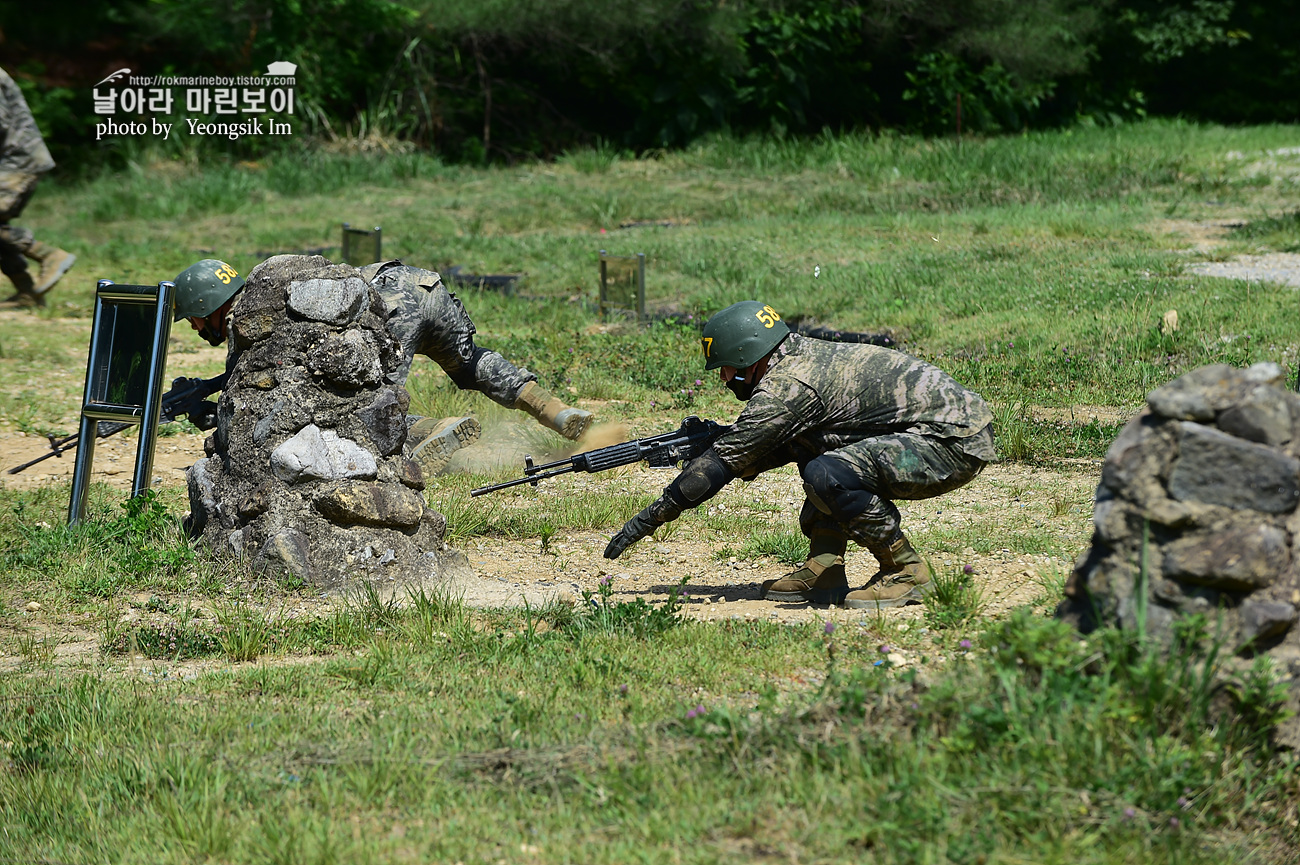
x: 203, y: 287
x: 741, y: 335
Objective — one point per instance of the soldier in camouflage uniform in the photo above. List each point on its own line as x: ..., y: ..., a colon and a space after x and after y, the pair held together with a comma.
x: 865, y: 425
x: 425, y: 319
x: 23, y: 159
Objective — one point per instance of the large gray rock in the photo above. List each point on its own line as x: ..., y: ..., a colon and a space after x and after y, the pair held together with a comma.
x: 1236, y: 559
x: 385, y: 420
x: 305, y: 471
x: 1202, y: 393
x: 1196, y: 515
x: 371, y: 504
x: 1220, y: 469
x: 333, y: 301
x: 1258, y: 418
x: 320, y: 455
x: 349, y: 359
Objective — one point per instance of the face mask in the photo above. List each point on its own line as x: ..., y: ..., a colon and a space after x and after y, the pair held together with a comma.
x: 742, y: 389
x: 211, y: 335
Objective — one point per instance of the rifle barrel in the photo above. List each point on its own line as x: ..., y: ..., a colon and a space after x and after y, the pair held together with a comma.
x: 40, y: 459
x: 527, y: 479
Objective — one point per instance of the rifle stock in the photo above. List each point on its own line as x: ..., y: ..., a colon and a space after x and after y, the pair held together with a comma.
x: 691, y: 439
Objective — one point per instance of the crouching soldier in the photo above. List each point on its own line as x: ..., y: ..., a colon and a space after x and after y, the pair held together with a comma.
x: 425, y: 319
x: 866, y: 425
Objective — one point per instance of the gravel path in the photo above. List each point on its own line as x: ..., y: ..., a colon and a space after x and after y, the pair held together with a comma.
x: 1282, y: 268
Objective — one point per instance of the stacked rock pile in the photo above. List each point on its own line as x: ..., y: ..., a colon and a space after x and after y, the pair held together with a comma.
x: 1196, y: 513
x: 305, y: 472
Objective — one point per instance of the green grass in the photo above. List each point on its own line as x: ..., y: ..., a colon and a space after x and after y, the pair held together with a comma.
x: 478, y: 731
x: 1024, y: 265
x: 571, y: 744
x: 956, y: 600
x: 213, y: 720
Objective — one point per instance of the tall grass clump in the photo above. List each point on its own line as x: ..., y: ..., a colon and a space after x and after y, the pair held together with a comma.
x: 1037, y: 743
x: 144, y: 544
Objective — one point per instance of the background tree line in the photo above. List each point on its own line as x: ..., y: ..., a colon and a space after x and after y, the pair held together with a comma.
x: 509, y: 79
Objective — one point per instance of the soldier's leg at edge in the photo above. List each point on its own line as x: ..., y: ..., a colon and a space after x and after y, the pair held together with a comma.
x: 474, y: 368
x: 14, y: 241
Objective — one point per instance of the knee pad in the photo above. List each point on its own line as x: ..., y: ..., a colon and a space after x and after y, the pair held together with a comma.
x: 465, y: 378
x: 835, y: 489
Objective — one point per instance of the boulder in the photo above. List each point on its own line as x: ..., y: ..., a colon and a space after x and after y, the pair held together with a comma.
x: 305, y: 472
x: 1196, y: 515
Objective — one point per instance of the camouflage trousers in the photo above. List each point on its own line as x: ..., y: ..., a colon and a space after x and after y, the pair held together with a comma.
x: 449, y: 341
x: 16, y: 190
x: 851, y: 491
x: 429, y: 320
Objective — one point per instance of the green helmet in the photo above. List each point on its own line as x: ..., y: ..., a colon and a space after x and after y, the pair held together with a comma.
x: 742, y: 334
x: 202, y: 288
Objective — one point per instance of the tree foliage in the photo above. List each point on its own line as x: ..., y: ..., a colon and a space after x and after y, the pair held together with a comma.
x: 505, y: 79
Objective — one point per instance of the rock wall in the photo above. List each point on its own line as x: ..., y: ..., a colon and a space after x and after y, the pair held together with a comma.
x: 1209, y: 474
x: 305, y: 471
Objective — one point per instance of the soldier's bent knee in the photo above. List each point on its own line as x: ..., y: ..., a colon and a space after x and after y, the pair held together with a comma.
x: 835, y: 489
x: 465, y: 378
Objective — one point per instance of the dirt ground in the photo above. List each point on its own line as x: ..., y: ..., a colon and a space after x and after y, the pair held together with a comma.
x: 729, y: 589
x: 508, y: 572
x: 1207, y: 237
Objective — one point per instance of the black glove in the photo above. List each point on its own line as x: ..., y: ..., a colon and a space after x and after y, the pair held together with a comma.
x: 204, y: 415
x: 662, y: 510
x: 640, y: 526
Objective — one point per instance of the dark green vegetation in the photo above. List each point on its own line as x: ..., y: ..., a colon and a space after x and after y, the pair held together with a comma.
x: 500, y: 81
x: 217, y: 716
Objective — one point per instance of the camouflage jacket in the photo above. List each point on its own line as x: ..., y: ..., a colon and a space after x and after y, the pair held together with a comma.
x: 818, y: 396
x: 22, y: 150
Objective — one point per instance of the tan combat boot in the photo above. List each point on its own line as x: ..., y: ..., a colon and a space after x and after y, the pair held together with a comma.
x: 821, y: 580
x: 54, y: 263
x: 24, y: 296
x: 904, y: 578
x: 551, y: 413
x: 437, y: 439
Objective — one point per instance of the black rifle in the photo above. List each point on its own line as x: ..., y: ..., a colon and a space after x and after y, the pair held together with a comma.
x: 185, y: 398
x: 693, y: 438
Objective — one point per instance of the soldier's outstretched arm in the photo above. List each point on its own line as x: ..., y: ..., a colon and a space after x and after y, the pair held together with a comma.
x: 698, y: 482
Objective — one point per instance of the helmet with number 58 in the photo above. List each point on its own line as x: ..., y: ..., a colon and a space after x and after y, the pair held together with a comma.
x: 203, y: 287
x: 741, y: 335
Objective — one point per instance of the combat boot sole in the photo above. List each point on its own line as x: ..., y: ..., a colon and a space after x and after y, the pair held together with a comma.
x: 810, y: 596
x: 572, y: 423
x: 915, y: 595
x: 434, y: 453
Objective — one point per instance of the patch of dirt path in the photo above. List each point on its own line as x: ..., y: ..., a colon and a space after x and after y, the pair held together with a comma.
x: 1206, y: 237
x: 1054, y: 505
